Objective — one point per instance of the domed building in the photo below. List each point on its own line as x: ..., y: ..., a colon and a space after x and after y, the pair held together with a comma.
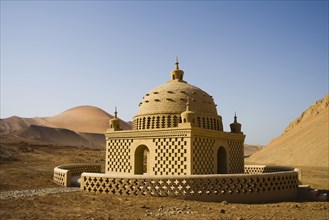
x: 177, y: 147
x: 177, y: 131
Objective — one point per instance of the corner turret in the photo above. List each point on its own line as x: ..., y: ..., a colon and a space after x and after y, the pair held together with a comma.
x: 114, y: 123
x: 235, y: 126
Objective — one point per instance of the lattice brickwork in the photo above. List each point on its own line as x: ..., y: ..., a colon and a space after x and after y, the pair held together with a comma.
x: 60, y: 177
x: 77, y: 170
x: 236, y: 157
x: 63, y: 173
x: 118, y: 155
x: 193, y: 185
x: 203, y: 156
x: 170, y: 121
x: 265, y: 169
x: 170, y: 156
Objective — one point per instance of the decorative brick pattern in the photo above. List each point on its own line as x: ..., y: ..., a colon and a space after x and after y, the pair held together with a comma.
x: 195, y: 185
x: 78, y: 169
x: 62, y: 174
x: 236, y: 158
x: 118, y: 155
x: 253, y: 169
x: 156, y: 121
x: 170, y: 121
x: 60, y: 177
x: 202, y: 155
x: 170, y: 133
x: 170, y: 156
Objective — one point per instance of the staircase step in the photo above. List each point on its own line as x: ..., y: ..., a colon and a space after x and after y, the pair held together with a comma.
x: 308, y: 193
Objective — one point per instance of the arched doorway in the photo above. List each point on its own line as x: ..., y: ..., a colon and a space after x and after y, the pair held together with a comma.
x: 221, y: 160
x: 142, y: 158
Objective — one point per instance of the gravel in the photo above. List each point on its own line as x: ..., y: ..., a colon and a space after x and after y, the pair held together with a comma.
x: 36, y: 192
x: 169, y: 211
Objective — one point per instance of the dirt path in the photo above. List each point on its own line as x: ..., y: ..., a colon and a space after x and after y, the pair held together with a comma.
x: 36, y: 192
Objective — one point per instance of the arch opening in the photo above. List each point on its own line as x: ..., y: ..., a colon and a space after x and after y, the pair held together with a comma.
x: 221, y: 161
x: 142, y: 160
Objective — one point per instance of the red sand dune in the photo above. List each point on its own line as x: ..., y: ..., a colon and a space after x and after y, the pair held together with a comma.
x: 88, y: 119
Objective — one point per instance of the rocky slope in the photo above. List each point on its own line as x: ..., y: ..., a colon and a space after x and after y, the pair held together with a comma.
x: 60, y: 136
x: 305, y: 142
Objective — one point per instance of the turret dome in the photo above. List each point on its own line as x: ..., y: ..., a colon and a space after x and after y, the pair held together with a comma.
x: 177, y: 74
x: 114, y: 123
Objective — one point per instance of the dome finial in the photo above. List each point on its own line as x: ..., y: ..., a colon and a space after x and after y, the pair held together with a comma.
x: 177, y: 74
x: 235, y: 121
x: 115, y: 113
x: 177, y: 63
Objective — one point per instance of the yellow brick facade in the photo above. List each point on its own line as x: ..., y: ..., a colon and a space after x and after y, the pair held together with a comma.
x: 177, y: 131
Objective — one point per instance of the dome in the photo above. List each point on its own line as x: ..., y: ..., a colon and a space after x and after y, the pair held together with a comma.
x: 162, y: 107
x: 171, y: 97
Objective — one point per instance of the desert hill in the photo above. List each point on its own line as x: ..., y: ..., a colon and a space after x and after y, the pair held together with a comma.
x: 79, y: 126
x: 60, y: 136
x: 305, y: 142
x: 87, y: 119
x: 251, y: 149
x: 16, y: 124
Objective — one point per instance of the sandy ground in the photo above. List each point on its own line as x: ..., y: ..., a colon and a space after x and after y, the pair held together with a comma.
x: 31, y: 167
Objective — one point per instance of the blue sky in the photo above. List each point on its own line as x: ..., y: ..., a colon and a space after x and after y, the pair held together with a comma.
x: 266, y: 60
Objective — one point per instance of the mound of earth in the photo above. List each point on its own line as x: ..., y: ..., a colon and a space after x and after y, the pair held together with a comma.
x: 16, y: 124
x: 88, y: 119
x: 305, y: 142
x: 62, y: 136
x: 79, y: 126
x: 251, y: 149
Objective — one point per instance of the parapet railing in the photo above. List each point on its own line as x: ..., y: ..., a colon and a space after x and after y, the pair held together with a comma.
x: 257, y: 169
x: 63, y: 173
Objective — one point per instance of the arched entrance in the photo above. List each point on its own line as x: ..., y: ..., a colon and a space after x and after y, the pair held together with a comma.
x: 142, y: 158
x: 221, y: 160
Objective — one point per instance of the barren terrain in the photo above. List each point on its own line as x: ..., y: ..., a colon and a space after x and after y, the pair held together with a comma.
x: 25, y: 167
x: 29, y: 152
x: 305, y: 141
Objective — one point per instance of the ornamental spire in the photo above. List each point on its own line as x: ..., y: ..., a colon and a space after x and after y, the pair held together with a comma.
x: 177, y: 63
x: 235, y: 121
x: 177, y: 74
x: 114, y: 122
x: 115, y: 113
